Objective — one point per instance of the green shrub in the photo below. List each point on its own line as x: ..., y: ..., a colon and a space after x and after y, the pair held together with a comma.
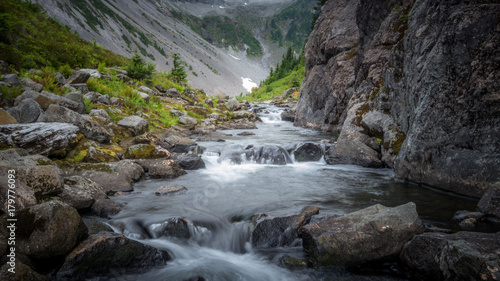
x: 139, y: 69
x: 10, y: 92
x: 66, y: 70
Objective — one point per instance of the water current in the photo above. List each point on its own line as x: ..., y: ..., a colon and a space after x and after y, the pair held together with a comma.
x: 222, y: 198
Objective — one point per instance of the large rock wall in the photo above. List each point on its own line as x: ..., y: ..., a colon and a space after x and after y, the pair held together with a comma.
x: 413, y: 85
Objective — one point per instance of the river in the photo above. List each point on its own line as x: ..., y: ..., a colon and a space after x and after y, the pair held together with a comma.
x: 221, y: 200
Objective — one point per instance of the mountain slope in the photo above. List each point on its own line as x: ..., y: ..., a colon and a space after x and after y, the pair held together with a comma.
x: 150, y: 28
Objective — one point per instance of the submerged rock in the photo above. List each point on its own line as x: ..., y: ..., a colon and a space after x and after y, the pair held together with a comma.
x: 281, y: 231
x: 189, y: 161
x: 306, y: 152
x: 170, y: 190
x: 173, y: 227
x: 369, y: 234
x: 109, y: 254
x: 459, y: 256
x: 490, y: 202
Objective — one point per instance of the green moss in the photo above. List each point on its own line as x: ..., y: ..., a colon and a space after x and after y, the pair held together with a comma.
x: 362, y: 110
x: 396, y: 145
x: 42, y: 162
x: 142, y: 151
x: 96, y: 167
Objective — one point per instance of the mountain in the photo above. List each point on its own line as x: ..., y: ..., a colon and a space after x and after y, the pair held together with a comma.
x: 411, y: 85
x: 226, y: 45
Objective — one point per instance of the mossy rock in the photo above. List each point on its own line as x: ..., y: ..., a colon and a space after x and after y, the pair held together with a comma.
x: 145, y: 151
x: 96, y: 155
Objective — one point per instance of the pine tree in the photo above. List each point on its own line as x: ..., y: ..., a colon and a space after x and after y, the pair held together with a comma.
x: 139, y: 69
x: 179, y: 70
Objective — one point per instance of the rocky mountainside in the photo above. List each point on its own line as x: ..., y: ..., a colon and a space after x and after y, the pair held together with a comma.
x: 158, y: 29
x: 411, y: 85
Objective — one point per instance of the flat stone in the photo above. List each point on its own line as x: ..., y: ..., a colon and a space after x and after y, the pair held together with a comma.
x: 170, y: 190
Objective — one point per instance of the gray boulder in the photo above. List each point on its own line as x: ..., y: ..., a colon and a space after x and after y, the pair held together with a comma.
x: 45, y: 99
x: 173, y: 227
x: 60, y: 78
x: 135, y: 124
x: 78, y: 98
x: 105, y: 208
x: 25, y: 196
x: 147, y: 90
x: 28, y: 83
x: 78, y: 77
x: 40, y: 138
x: 161, y: 168
x: 82, y: 87
x: 103, y: 99
x: 188, y: 120
x: 109, y: 254
x: 81, y: 193
x: 28, y: 94
x: 179, y: 144
x: 48, y: 230
x: 308, y: 151
x: 282, y: 231
x: 95, y: 226
x: 490, y: 202
x: 101, y: 114
x: 91, y: 129
x: 170, y: 190
x: 233, y: 104
x: 459, y: 256
x: 288, y: 115
x: 94, y: 73
x: 371, y: 234
x: 189, y: 161
x: 12, y: 80
x: 43, y: 180
x: 267, y: 154
x: 144, y: 96
x: 29, y: 111
x: 173, y: 93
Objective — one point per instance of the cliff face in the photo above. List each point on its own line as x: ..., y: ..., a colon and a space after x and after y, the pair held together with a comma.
x: 414, y: 85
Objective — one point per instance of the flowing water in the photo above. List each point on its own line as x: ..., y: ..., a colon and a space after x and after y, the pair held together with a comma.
x: 221, y: 200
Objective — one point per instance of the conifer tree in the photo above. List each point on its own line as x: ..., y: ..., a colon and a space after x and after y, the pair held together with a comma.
x: 179, y: 70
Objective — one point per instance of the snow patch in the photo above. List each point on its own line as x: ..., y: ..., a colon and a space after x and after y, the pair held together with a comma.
x: 248, y: 84
x: 234, y: 57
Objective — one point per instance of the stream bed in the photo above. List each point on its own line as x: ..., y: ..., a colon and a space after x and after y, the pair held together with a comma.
x: 221, y: 200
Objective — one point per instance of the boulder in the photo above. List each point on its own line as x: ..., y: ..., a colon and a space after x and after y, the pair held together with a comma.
x: 267, y: 154
x: 45, y: 99
x: 371, y: 234
x: 28, y: 83
x: 244, y: 114
x: 21, y: 157
x: 179, y: 144
x: 188, y: 120
x: 117, y: 176
x: 490, y: 202
x: 233, y: 104
x: 160, y: 89
x: 24, y: 195
x: 90, y: 129
x: 281, y: 231
x: 135, y: 124
x: 94, y: 73
x: 109, y: 254
x: 147, y: 90
x: 144, y: 96
x: 246, y: 133
x: 459, y: 256
x: 105, y: 208
x: 173, y: 93
x: 95, y: 226
x: 170, y: 190
x: 12, y: 80
x: 288, y: 115
x: 81, y: 193
x: 78, y: 77
x: 103, y: 99
x: 6, y: 118
x: 161, y: 168
x: 173, y: 227
x: 47, y: 230
x: 43, y: 180
x: 60, y: 78
x: 101, y: 114
x: 29, y: 111
x: 146, y: 151
x: 27, y: 94
x: 189, y: 161
x: 308, y: 151
x: 78, y: 98
x: 22, y: 272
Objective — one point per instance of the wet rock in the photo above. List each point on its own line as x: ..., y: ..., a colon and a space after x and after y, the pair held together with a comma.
x: 170, y: 190
x: 24, y: 197
x: 78, y: 77
x: 459, y: 256
x: 117, y: 176
x: 28, y: 83
x: 281, y: 231
x: 161, y: 168
x: 78, y: 98
x: 105, y: 208
x: 135, y: 124
x: 81, y: 193
x: 22, y: 272
x: 90, y: 129
x: 188, y: 120
x: 173, y: 227
x: 288, y: 115
x: 308, y: 151
x: 189, y: 161
x: 12, y: 80
x: 29, y: 111
x: 268, y: 154
x: 293, y: 263
x: 109, y: 254
x: 370, y: 234
x: 95, y: 226
x: 40, y: 138
x: 146, y: 151
x: 48, y: 230
x: 246, y: 133
x: 468, y: 223
x: 6, y: 118
x: 179, y: 144
x: 490, y: 202
x: 462, y: 215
